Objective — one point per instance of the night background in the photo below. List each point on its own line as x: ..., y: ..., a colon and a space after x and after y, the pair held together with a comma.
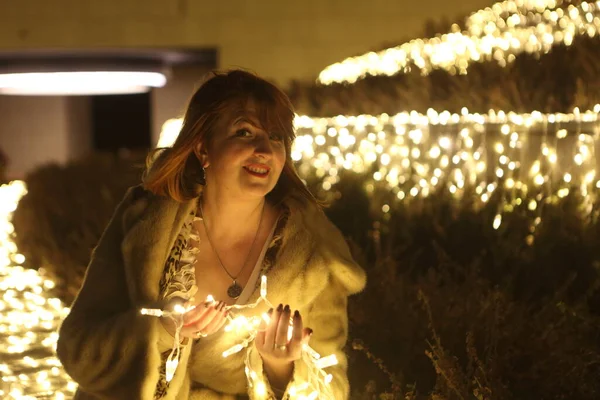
x: 454, y: 143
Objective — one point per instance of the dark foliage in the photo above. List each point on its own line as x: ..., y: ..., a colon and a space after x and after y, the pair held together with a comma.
x: 565, y: 78
x: 66, y: 209
x: 454, y: 309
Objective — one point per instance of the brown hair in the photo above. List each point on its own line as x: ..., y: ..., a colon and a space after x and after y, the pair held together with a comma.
x: 175, y: 171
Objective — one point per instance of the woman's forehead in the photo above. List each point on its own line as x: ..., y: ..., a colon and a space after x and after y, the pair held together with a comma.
x: 248, y: 115
x: 252, y: 113
x: 259, y: 114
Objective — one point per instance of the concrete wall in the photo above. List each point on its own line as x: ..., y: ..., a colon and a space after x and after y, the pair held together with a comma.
x: 40, y: 130
x: 279, y: 39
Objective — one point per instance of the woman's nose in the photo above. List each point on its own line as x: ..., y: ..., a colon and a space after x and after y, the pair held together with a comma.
x: 262, y: 146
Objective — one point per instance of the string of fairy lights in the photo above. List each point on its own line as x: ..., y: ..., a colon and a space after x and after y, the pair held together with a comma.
x: 415, y: 153
x: 534, y: 158
x: 29, y: 319
x: 314, y: 385
x: 500, y: 33
x: 412, y: 154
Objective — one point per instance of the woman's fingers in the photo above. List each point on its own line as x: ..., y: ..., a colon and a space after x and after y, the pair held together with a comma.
x: 278, y: 340
x: 306, y: 334
x: 215, y: 323
x: 295, y: 345
x: 270, y: 334
x: 205, y: 319
x: 281, y: 335
x: 189, y: 331
x: 195, y: 313
x: 223, y: 322
x: 262, y: 331
x: 203, y: 312
x: 297, y: 332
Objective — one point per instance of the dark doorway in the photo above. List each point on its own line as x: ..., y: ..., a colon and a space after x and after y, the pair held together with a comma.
x: 121, y: 121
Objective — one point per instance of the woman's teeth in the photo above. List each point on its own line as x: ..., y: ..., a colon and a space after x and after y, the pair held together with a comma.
x: 258, y: 170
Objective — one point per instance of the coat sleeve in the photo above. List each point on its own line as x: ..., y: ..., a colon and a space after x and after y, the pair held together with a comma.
x: 104, y: 343
x: 328, y: 317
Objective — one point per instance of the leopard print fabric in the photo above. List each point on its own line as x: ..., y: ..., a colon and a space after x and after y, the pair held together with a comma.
x: 178, y: 281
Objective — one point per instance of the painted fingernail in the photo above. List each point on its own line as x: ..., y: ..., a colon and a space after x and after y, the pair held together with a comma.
x: 310, y: 331
x: 296, y: 314
x: 287, y: 308
x: 270, y: 311
x: 280, y: 307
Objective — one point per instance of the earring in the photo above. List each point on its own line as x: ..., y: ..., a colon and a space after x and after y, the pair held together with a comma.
x: 202, y: 176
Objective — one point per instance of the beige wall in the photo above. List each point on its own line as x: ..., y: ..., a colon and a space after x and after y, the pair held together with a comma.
x: 40, y: 130
x: 279, y: 39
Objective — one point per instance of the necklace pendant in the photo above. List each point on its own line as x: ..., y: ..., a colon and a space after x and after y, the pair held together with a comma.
x: 234, y: 291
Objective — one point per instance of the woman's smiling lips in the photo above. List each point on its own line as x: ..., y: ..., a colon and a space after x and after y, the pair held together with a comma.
x: 259, y: 170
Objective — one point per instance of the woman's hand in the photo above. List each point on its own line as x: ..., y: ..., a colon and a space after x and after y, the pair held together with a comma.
x: 277, y: 348
x: 203, y: 320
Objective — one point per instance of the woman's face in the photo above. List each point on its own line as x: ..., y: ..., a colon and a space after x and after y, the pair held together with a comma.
x: 243, y: 159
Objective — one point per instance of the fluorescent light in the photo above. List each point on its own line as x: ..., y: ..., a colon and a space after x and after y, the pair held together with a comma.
x: 79, y: 82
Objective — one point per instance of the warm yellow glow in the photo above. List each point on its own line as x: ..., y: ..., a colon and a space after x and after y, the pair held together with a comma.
x: 243, y: 330
x: 532, y: 205
x: 261, y: 390
x: 170, y: 131
x: 412, y: 160
x: 29, y: 319
x: 497, y: 221
x: 499, y: 33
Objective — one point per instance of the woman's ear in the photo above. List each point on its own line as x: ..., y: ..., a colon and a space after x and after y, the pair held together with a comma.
x: 201, y: 151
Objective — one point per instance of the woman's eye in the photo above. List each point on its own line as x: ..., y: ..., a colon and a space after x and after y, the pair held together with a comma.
x: 243, y: 133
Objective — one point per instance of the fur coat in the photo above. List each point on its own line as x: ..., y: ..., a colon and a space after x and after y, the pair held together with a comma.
x: 113, y: 352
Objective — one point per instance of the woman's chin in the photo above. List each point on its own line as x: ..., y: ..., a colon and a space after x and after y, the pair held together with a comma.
x: 257, y: 189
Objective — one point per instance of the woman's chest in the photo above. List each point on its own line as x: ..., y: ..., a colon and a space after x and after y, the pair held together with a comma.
x: 225, y: 275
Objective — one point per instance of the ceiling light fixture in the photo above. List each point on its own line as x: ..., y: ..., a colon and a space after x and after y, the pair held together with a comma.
x: 90, y: 72
x: 80, y: 82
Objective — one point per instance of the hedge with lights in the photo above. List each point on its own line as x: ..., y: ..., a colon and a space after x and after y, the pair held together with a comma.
x: 553, y: 75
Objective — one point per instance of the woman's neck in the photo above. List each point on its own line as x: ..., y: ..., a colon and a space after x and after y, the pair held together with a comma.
x: 231, y: 219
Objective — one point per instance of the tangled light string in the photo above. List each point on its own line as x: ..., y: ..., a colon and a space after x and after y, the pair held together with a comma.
x: 500, y: 33
x: 29, y: 319
x: 316, y: 383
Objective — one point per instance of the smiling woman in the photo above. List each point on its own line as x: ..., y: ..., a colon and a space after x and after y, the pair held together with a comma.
x: 221, y: 207
x: 232, y: 102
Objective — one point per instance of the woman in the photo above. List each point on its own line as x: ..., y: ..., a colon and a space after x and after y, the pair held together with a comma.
x: 216, y: 211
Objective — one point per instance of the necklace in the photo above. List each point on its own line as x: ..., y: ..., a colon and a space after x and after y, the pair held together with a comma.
x: 234, y: 290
